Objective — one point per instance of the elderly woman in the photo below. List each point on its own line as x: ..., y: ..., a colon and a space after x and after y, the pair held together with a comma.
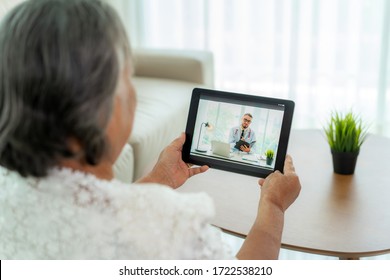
x: 66, y: 110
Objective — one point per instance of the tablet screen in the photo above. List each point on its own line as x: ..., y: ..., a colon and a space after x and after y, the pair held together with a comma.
x: 237, y: 132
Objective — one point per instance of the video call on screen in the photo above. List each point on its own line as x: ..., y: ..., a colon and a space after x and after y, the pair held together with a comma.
x: 222, y: 116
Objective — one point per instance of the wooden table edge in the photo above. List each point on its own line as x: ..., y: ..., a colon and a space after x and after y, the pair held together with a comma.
x: 337, y: 254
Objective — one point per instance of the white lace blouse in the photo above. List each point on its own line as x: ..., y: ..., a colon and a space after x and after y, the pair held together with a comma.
x: 72, y: 215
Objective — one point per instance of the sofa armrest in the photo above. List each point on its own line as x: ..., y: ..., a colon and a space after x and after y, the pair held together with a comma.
x: 185, y: 65
x: 124, y: 165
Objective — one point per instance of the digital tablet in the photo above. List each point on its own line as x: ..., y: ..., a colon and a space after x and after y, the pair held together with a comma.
x: 227, y: 118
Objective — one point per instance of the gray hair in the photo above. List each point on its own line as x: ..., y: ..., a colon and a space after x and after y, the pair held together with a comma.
x: 59, y: 67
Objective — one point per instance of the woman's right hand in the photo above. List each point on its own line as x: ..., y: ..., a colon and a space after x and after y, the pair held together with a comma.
x: 281, y: 189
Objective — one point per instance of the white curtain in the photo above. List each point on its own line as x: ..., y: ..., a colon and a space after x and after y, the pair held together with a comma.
x: 6, y: 5
x: 324, y: 55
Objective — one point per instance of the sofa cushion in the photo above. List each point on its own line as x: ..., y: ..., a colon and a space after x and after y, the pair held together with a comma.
x: 161, y: 115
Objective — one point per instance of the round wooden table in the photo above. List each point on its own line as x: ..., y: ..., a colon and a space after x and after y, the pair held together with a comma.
x: 341, y: 215
x: 347, y: 216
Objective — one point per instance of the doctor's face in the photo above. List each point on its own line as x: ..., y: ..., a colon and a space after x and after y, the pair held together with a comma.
x: 246, y: 121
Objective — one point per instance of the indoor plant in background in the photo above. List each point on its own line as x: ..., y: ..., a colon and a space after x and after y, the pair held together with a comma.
x: 269, y: 156
x: 345, y: 135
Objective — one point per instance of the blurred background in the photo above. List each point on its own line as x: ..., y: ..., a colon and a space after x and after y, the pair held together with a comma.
x: 325, y: 55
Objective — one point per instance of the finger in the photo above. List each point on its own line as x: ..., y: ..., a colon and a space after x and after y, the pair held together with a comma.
x: 179, y: 141
x: 197, y: 170
x: 261, y: 181
x: 288, y: 165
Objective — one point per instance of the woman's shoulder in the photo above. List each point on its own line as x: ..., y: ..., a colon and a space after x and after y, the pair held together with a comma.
x: 160, y: 198
x: 81, y: 187
x: 170, y: 224
x: 147, y: 220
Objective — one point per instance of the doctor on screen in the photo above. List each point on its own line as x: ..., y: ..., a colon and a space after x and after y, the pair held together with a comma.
x: 243, y: 133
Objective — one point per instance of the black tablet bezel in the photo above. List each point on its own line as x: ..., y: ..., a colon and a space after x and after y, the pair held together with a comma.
x: 237, y: 98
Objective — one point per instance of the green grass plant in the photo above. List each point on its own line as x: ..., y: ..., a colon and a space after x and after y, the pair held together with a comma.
x: 269, y: 154
x: 345, y: 133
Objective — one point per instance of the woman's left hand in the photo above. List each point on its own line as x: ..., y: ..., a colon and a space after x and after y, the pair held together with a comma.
x: 170, y: 169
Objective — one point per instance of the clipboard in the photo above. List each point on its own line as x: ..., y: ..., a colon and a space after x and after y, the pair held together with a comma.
x: 241, y: 143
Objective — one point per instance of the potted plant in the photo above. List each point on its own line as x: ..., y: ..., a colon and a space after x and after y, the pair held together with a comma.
x: 345, y: 135
x: 269, y: 156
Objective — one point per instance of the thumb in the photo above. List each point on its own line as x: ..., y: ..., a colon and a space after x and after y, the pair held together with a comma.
x: 179, y: 141
x: 261, y: 181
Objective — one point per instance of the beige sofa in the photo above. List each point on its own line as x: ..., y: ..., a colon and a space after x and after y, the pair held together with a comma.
x: 164, y: 80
